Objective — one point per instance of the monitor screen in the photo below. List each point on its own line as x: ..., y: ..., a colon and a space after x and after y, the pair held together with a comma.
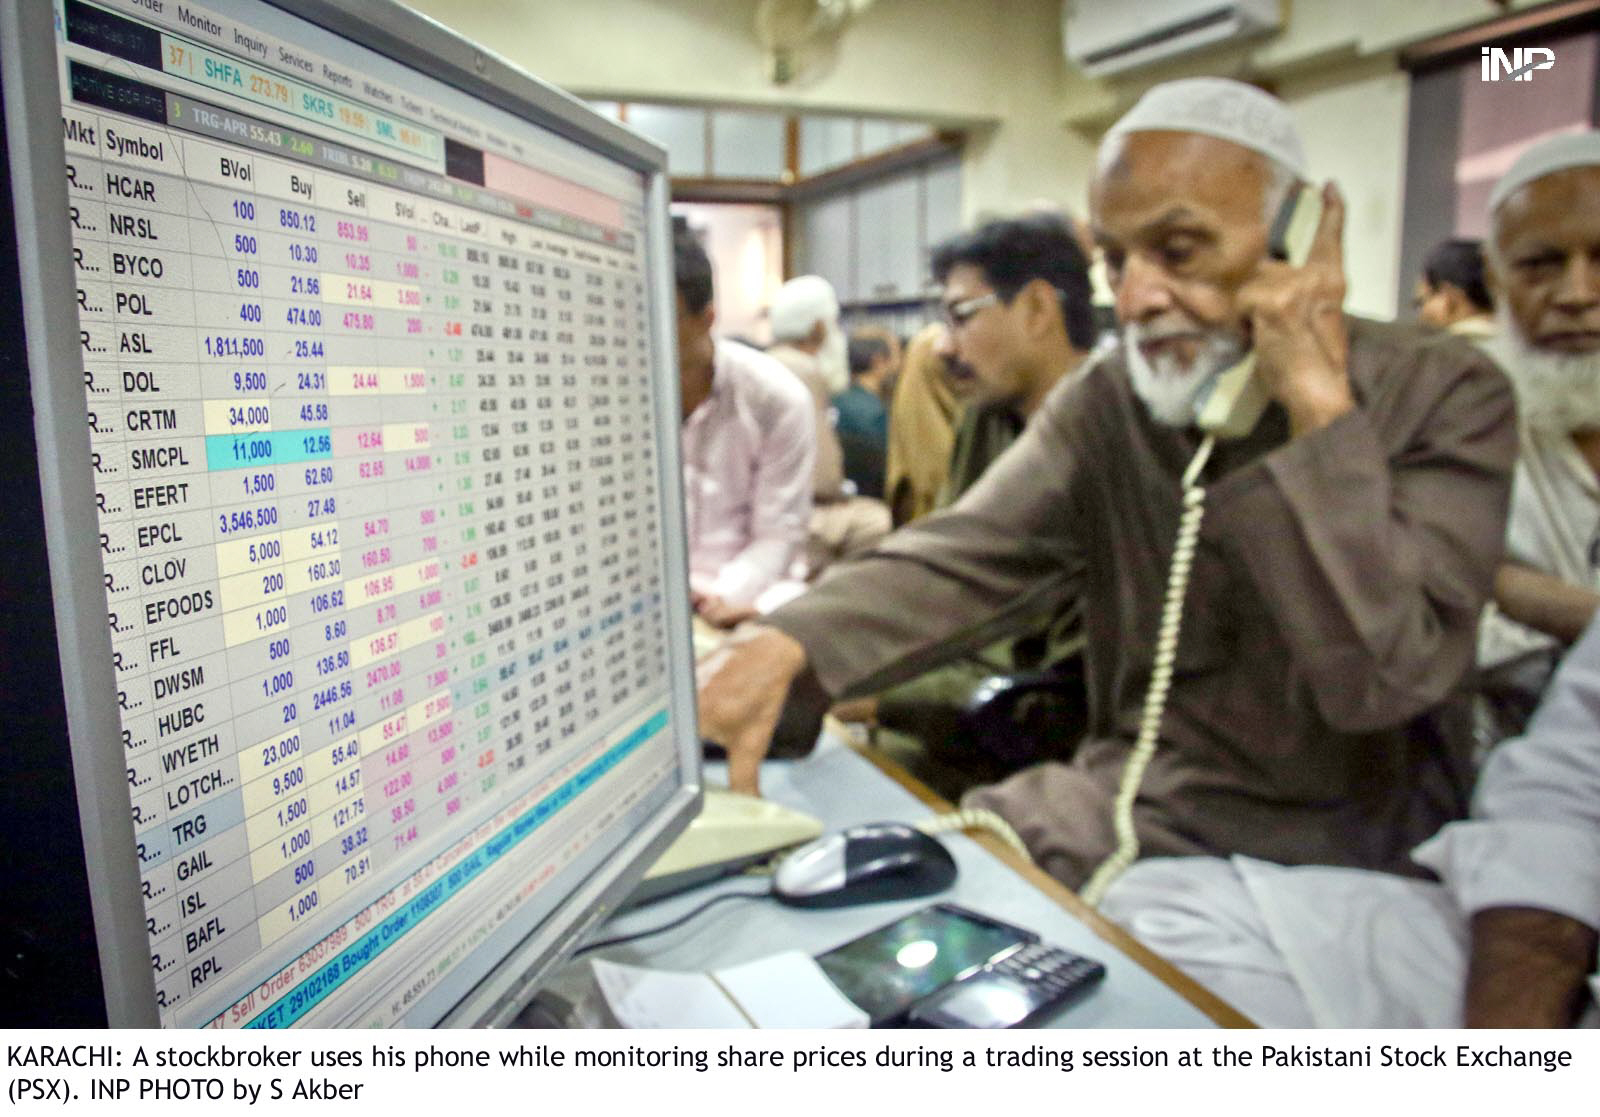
x: 355, y: 410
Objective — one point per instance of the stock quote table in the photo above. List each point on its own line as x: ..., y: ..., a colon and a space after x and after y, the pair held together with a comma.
x: 377, y: 485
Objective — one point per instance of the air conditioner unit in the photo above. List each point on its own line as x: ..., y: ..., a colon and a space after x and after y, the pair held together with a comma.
x: 1114, y: 36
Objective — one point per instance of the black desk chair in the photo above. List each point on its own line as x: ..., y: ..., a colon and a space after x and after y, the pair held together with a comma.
x: 1030, y: 716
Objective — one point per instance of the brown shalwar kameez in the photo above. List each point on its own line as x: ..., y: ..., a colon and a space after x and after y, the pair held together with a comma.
x: 1332, y: 609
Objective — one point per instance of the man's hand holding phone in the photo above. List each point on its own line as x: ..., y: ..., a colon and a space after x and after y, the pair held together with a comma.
x: 1296, y: 320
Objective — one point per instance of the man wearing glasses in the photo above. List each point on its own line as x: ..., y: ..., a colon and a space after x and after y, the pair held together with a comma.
x: 1017, y: 307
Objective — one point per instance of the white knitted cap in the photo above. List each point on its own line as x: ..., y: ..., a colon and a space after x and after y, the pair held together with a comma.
x: 1229, y: 110
x: 798, y: 305
x: 1559, y: 153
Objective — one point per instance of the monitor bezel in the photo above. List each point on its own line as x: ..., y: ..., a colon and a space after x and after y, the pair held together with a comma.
x: 37, y: 158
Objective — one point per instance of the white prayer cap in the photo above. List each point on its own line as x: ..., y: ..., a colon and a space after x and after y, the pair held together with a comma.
x: 1229, y: 110
x: 1559, y: 153
x: 798, y: 305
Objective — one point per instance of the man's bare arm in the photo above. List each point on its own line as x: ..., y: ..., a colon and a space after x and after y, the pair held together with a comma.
x: 1544, y: 602
x: 742, y: 690
x: 1529, y: 969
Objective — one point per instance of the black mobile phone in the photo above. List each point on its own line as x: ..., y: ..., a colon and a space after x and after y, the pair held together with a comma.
x: 886, y: 972
x: 1014, y: 992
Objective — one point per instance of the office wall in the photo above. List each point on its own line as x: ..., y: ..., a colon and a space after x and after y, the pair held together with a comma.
x: 706, y: 50
x: 871, y: 241
x: 993, y: 65
x: 1353, y: 121
x: 1353, y: 118
x: 996, y: 67
x: 1029, y: 155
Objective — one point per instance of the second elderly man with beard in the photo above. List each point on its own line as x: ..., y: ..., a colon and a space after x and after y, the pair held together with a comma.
x: 1347, y: 543
x: 1545, y: 264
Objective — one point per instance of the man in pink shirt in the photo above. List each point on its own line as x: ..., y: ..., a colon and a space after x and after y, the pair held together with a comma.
x: 749, y: 449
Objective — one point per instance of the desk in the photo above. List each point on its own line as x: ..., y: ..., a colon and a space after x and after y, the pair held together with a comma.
x: 843, y: 787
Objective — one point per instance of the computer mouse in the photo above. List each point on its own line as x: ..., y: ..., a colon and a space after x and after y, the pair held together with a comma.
x: 883, y: 861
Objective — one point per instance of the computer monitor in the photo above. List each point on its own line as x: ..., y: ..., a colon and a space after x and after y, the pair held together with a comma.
x: 348, y: 668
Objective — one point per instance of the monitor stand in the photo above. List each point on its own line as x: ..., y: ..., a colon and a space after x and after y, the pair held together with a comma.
x: 732, y: 832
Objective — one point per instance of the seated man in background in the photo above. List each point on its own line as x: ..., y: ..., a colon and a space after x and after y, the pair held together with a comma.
x: 872, y: 331
x: 1507, y: 940
x: 1544, y: 258
x: 808, y: 341
x: 1348, y: 543
x: 749, y: 445
x: 1453, y: 293
x: 1018, y: 307
x: 863, y: 417
x: 922, y: 422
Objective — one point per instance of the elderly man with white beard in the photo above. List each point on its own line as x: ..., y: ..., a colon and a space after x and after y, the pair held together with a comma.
x: 1509, y: 935
x: 1544, y: 264
x: 1346, y: 545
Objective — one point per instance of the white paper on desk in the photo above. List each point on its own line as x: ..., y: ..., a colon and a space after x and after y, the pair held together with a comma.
x: 786, y: 990
x: 644, y: 998
x: 789, y: 990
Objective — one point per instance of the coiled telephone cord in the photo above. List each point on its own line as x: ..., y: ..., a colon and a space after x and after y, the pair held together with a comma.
x: 1155, y: 697
x: 976, y: 818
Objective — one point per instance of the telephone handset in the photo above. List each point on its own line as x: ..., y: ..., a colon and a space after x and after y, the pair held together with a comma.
x: 1231, y: 405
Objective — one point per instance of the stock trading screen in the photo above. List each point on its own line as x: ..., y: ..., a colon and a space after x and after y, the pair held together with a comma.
x: 368, y: 381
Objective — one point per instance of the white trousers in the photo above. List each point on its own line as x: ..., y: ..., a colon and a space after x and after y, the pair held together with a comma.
x: 1302, y: 947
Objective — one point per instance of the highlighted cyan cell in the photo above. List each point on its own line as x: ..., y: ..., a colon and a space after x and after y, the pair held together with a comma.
x: 267, y: 448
